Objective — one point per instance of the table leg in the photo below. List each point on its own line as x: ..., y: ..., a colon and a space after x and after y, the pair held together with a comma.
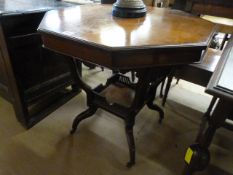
x: 161, y: 89
x: 206, y: 118
x: 167, y: 88
x: 77, y: 75
x: 145, y: 90
x: 151, y: 105
x: 88, y: 113
x: 129, y: 124
x: 148, y: 81
x: 78, y: 65
x: 197, y: 156
x: 92, y: 109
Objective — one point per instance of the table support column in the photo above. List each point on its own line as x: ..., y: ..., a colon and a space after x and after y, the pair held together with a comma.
x: 144, y: 89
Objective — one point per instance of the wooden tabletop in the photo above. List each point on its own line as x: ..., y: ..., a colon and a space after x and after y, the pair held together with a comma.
x: 221, y: 83
x: 10, y: 7
x: 94, y: 29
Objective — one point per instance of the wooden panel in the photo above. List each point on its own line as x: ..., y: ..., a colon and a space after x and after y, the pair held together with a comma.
x: 21, y: 24
x: 215, y: 10
x: 38, y: 78
x: 179, y: 4
x: 12, y: 85
x: 200, y: 73
x: 29, y: 60
x: 222, y: 8
x: 3, y: 80
x: 127, y: 59
x: 210, y: 60
x: 2, y: 72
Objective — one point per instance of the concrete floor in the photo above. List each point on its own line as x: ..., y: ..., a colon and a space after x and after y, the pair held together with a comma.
x: 99, y: 146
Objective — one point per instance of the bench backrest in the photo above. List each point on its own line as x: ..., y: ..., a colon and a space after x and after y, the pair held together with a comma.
x: 221, y: 8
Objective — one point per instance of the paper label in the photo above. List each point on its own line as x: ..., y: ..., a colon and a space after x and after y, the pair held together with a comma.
x: 188, y: 156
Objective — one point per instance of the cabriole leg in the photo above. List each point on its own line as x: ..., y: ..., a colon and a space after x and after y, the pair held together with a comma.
x: 151, y: 105
x: 88, y: 113
x: 155, y: 107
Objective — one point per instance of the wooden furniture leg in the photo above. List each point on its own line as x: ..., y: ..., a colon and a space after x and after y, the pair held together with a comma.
x: 167, y: 88
x: 100, y: 97
x: 168, y: 85
x: 133, y: 76
x: 129, y: 124
x: 206, y: 118
x: 161, y: 88
x: 92, y: 109
x: 151, y: 105
x: 197, y: 156
x: 88, y: 113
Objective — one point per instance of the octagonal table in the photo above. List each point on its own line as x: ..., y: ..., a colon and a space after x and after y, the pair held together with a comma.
x: 151, y: 46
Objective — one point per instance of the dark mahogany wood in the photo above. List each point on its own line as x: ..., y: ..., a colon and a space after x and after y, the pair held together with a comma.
x: 115, y: 42
x: 221, y: 87
x: 32, y: 78
x: 150, y: 46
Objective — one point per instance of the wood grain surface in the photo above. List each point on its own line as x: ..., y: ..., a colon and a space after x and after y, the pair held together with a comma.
x: 163, y: 37
x: 95, y: 25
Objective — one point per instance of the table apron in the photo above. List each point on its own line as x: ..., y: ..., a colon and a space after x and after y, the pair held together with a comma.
x: 124, y: 59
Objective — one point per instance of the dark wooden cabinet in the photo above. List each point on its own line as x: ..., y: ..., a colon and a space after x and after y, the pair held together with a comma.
x: 34, y: 79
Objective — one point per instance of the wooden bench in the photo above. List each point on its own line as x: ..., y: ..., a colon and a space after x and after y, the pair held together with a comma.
x: 199, y: 73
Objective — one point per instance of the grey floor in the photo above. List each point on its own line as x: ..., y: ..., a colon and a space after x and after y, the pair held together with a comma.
x: 100, y: 148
